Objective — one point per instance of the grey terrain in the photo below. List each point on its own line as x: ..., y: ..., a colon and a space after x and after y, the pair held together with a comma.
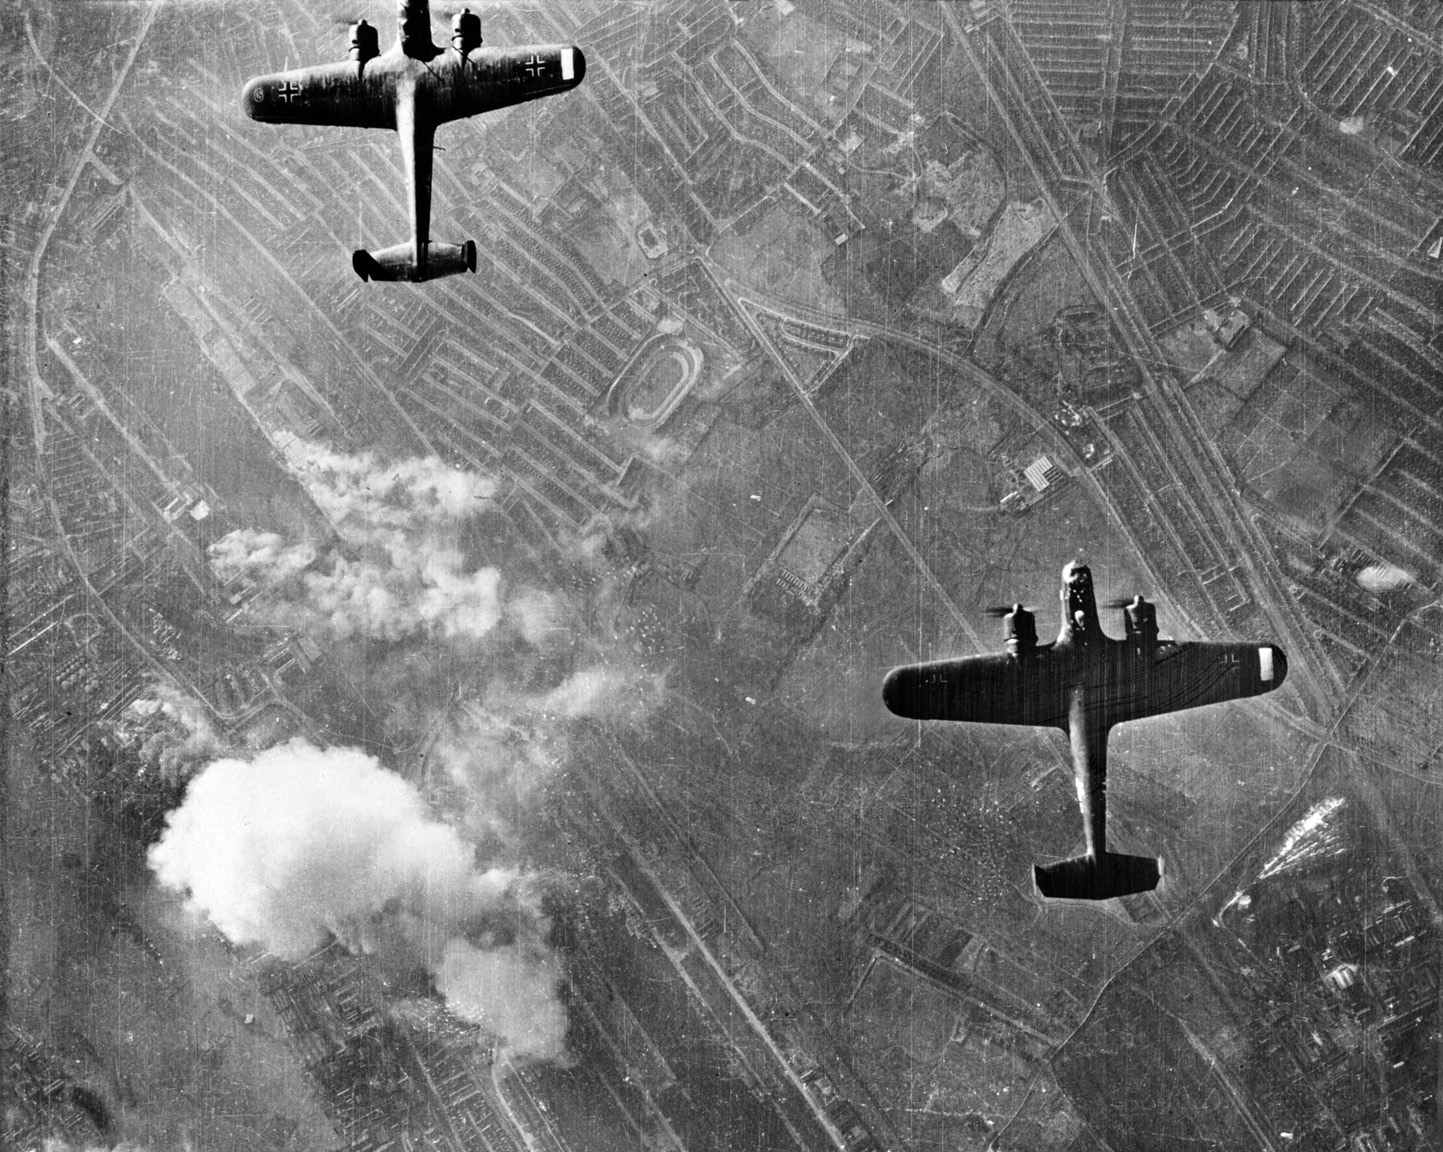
x: 447, y: 716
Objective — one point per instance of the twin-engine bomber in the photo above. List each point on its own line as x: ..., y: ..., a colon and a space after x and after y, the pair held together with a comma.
x: 1084, y: 683
x: 413, y: 89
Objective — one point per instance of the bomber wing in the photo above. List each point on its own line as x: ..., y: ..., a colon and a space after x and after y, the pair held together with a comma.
x: 322, y: 94
x: 492, y: 78
x: 991, y: 689
x: 1190, y: 674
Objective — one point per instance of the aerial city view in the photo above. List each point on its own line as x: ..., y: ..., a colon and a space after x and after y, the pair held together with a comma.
x: 504, y: 499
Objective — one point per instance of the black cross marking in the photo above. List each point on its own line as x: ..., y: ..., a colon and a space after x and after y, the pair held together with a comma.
x: 289, y: 91
x: 534, y: 66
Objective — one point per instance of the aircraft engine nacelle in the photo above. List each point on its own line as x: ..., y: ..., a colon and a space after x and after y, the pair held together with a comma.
x: 1140, y: 621
x: 365, y: 42
x: 1019, y: 632
x: 465, y: 31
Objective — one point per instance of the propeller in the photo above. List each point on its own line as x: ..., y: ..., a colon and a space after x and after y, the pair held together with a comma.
x: 997, y: 611
x: 1121, y: 602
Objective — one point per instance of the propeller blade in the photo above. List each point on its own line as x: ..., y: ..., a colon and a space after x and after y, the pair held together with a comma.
x: 997, y: 611
x: 1122, y: 602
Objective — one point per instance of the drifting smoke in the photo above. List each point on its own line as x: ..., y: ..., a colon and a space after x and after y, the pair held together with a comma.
x: 398, y: 572
x: 301, y: 846
x: 603, y: 693
x: 304, y: 844
x: 544, y: 620
x: 502, y: 749
x: 358, y: 488
x: 1313, y: 838
x: 186, y: 736
x: 1384, y: 577
x: 510, y: 991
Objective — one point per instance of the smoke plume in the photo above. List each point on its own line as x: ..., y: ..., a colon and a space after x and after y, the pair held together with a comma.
x: 503, y: 747
x: 302, y: 845
x: 1379, y: 578
x: 483, y: 668
x: 397, y: 571
x: 181, y: 734
x: 509, y: 990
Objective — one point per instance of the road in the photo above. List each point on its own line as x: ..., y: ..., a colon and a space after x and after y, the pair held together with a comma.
x: 741, y: 296
x: 978, y: 376
x: 1192, y: 462
x: 363, y: 366
x: 1168, y: 409
x: 743, y: 939
x: 939, y: 592
x: 39, y: 391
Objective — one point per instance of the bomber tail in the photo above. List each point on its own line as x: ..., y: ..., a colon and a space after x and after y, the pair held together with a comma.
x: 399, y: 262
x: 1097, y: 877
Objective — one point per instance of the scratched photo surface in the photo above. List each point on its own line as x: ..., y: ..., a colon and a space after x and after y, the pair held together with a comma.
x: 534, y: 536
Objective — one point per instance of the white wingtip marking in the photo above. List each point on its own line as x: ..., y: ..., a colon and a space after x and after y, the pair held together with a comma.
x: 1265, y: 664
x: 568, y: 64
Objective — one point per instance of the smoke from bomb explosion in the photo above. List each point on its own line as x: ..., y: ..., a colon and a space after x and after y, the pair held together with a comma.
x: 303, y: 844
x: 398, y: 571
x: 503, y: 747
x: 187, y: 735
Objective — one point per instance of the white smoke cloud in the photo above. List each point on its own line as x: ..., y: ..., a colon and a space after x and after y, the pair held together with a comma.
x: 604, y: 692
x: 545, y: 620
x: 503, y: 748
x: 397, y: 572
x: 662, y: 451
x: 500, y: 760
x: 303, y: 844
x: 260, y: 555
x: 510, y: 991
x: 185, y: 736
x: 359, y: 488
x: 1384, y: 577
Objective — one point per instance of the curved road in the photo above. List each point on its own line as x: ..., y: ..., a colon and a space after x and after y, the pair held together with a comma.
x: 975, y: 374
x: 38, y: 389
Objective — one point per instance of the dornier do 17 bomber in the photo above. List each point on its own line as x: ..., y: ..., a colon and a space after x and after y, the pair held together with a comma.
x: 1084, y: 683
x: 413, y: 89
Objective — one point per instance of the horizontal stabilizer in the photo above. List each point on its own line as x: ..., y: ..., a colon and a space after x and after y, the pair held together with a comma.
x: 1098, y: 877
x: 399, y: 262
